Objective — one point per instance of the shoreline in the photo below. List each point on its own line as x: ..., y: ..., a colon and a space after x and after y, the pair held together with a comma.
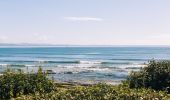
x: 88, y: 83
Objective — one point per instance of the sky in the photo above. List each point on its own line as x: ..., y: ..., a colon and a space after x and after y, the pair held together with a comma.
x: 85, y: 22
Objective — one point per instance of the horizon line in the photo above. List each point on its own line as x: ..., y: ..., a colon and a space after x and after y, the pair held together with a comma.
x: 74, y: 45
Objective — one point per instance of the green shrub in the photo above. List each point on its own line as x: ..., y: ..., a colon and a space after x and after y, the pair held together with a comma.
x: 100, y: 92
x: 156, y: 76
x: 16, y: 83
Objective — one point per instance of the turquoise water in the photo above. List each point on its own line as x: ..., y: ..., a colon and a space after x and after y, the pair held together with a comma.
x: 82, y: 63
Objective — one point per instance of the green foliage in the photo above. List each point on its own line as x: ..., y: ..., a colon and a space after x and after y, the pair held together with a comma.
x: 13, y: 84
x: 156, y: 76
x: 146, y: 84
x: 99, y: 92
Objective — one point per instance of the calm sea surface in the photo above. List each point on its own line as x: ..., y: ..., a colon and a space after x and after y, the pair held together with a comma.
x: 82, y: 64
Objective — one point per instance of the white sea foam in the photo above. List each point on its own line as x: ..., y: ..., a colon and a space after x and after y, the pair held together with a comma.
x: 30, y: 65
x: 90, y: 62
x: 85, y: 67
x: 4, y: 65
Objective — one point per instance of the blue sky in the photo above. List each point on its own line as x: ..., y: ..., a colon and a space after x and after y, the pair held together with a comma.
x: 85, y: 22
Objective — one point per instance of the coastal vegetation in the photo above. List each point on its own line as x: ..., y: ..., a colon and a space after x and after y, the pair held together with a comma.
x: 150, y: 83
x: 17, y: 83
x: 156, y: 76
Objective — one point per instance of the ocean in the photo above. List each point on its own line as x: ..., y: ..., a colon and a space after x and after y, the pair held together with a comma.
x: 81, y: 64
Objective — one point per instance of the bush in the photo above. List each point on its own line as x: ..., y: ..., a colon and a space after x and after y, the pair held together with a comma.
x: 100, y: 92
x: 16, y: 83
x: 156, y: 76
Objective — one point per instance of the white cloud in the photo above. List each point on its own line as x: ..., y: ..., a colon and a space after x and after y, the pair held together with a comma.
x: 3, y: 38
x: 83, y: 18
x: 40, y: 37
